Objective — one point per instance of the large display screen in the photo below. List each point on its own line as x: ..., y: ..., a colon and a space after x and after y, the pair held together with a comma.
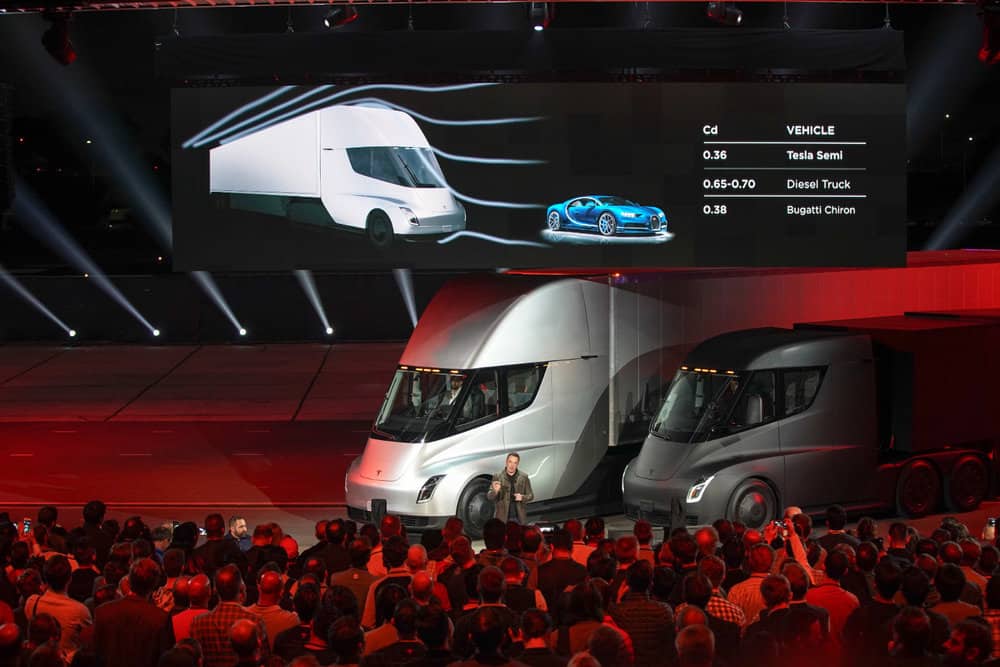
x: 488, y: 175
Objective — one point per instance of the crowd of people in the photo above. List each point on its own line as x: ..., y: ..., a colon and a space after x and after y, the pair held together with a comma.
x: 131, y: 595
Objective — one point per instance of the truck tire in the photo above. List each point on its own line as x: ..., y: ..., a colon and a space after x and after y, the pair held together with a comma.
x: 753, y: 503
x: 379, y: 229
x: 967, y: 484
x: 474, y: 508
x: 918, y: 489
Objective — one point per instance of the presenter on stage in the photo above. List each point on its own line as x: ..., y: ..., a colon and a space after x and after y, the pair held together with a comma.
x: 511, y: 491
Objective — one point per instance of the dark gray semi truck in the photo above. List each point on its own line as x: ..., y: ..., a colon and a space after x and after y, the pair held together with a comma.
x: 892, y: 413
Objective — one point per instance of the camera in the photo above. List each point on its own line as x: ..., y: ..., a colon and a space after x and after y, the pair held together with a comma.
x: 990, y: 530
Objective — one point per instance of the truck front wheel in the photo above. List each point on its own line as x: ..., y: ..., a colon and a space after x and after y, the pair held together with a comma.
x: 968, y: 484
x: 379, y: 229
x: 753, y: 503
x: 918, y: 490
x: 474, y: 508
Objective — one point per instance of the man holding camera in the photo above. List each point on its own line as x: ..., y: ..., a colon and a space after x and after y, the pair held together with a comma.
x: 511, y: 491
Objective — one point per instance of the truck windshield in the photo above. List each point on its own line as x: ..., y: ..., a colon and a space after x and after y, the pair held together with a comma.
x: 418, y: 405
x: 696, y: 403
x: 409, y: 167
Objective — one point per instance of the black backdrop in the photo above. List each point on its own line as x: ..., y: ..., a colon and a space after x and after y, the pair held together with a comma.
x: 690, y: 54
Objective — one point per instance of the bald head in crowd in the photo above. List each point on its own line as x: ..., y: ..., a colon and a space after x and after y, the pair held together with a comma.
x: 421, y: 587
x: 245, y: 638
x: 271, y: 587
x: 416, y: 558
x: 199, y: 591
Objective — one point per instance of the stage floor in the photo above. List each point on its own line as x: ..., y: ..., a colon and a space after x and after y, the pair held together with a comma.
x: 196, y: 426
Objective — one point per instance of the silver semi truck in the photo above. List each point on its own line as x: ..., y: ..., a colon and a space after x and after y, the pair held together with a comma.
x: 874, y: 414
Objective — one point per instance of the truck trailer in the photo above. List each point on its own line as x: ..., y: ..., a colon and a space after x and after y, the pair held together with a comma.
x: 361, y: 168
x: 886, y: 413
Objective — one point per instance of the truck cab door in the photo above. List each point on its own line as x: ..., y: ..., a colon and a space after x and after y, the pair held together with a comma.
x: 828, y: 434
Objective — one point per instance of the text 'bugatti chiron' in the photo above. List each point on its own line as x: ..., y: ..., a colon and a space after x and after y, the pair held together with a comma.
x: 607, y: 215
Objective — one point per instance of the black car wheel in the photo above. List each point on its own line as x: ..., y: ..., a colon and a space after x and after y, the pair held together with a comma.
x: 753, y: 503
x: 474, y: 508
x: 968, y: 484
x: 379, y: 229
x: 607, y: 224
x: 918, y: 489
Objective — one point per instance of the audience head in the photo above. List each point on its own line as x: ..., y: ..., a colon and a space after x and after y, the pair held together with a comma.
x: 244, y: 636
x: 594, y: 528
x: 422, y: 587
x: 714, y: 568
x: 867, y: 556
x: 639, y: 576
x: 761, y: 558
x: 607, y: 645
x: 626, y: 550
x: 394, y: 551
x: 643, y: 531
x: 697, y: 590
x: 306, y: 601
x: 491, y: 585
x: 360, y: 553
x: 346, y: 638
x: 433, y: 627
x: 536, y: 624
x: 575, y: 529
x: 390, y: 526
x: 970, y: 643
x: 93, y: 513
x: 949, y: 581
x: 562, y: 541
x: 513, y: 570
x: 798, y: 579
x: 911, y: 631
x: 57, y: 572
x: 836, y: 517
x: 385, y: 603
x: 776, y: 590
x: 690, y: 615
x: 695, y: 646
x: 531, y: 540
x: 144, y: 577
x: 215, y: 526
x: 416, y: 558
x: 486, y: 631
x: 341, y: 599
x: 335, y: 532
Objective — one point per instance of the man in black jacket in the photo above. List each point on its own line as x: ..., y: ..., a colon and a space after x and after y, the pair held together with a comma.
x: 132, y: 631
x: 511, y: 491
x: 560, y: 573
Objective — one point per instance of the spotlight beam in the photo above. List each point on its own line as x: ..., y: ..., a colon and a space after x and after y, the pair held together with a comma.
x: 75, y: 95
x: 981, y: 195
x: 22, y: 291
x: 42, y: 224
x: 309, y: 287
x: 404, y: 280
x: 207, y: 283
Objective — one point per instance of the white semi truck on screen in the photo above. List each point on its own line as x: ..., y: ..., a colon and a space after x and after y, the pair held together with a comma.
x: 365, y: 169
x: 569, y: 372
x: 875, y: 414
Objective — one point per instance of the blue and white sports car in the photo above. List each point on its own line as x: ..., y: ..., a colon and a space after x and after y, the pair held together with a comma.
x: 605, y: 214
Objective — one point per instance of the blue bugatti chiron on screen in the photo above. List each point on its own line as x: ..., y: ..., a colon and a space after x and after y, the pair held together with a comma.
x: 607, y: 215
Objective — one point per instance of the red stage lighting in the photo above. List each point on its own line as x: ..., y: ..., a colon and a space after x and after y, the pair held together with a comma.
x: 56, y: 39
x: 989, y: 53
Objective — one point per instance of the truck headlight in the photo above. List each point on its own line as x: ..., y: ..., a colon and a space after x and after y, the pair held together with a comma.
x: 698, y: 490
x: 410, y: 216
x: 427, y: 490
